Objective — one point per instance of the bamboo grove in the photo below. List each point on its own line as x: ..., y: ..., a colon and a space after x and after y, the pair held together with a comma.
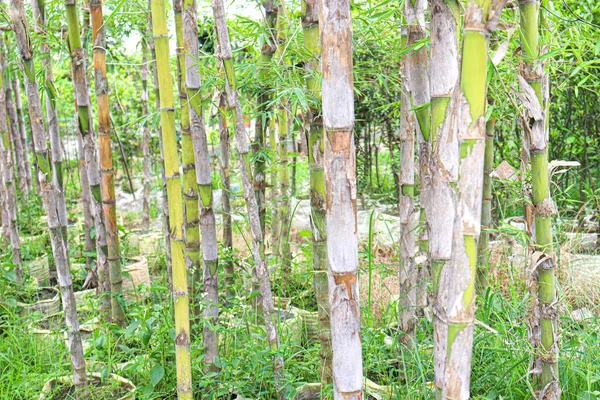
x: 299, y: 199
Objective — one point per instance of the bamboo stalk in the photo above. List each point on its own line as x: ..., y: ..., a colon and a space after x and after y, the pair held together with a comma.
x: 6, y: 174
x: 408, y: 213
x: 224, y: 171
x: 470, y: 112
x: 418, y: 70
x: 191, y: 215
x: 310, y: 25
x: 106, y: 161
x: 533, y: 82
x: 439, y: 180
x: 171, y: 168
x: 145, y: 135
x: 210, y: 250
x: 340, y: 180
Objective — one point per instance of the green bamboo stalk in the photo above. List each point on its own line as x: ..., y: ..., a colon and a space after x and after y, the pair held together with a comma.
x: 534, y: 86
x: 471, y: 105
x: 190, y: 187
x: 312, y: 37
x: 210, y: 249
x: 173, y: 183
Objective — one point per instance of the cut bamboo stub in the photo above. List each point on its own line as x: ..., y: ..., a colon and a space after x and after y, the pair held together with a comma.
x: 96, y: 378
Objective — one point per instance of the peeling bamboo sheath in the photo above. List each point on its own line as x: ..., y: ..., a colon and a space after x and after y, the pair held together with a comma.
x: 335, y: 21
x: 175, y: 200
x: 49, y: 198
x: 533, y: 82
x: 310, y: 25
x: 260, y: 269
x: 480, y: 19
x: 106, y: 162
x: 203, y: 183
x: 439, y: 179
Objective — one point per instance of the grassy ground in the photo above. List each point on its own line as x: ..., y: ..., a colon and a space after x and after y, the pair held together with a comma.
x: 143, y: 351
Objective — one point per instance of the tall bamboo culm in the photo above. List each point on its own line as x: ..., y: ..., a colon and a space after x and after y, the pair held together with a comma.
x: 310, y: 26
x: 228, y: 264
x: 408, y: 213
x: 534, y: 86
x: 486, y: 210
x: 210, y: 249
x: 20, y: 148
x: 283, y: 136
x: 439, y: 179
x: 418, y: 70
x: 480, y: 19
x: 106, y: 161
x: 335, y: 22
x: 261, y: 271
x: 171, y: 168
x: 145, y: 133
x: 262, y: 122
x: 60, y: 253
x: 39, y: 13
x: 190, y: 188
x: 6, y: 173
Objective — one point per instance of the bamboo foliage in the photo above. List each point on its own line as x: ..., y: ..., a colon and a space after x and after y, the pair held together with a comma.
x: 49, y: 198
x: 534, y: 86
x: 335, y: 22
x: 261, y: 271
x: 106, y: 162
x: 210, y: 250
x: 171, y: 168
x: 310, y: 26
